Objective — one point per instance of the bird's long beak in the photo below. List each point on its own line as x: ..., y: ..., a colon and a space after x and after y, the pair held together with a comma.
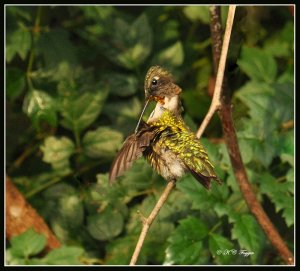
x: 143, y: 111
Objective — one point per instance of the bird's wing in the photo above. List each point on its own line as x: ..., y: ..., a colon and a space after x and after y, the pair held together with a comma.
x: 131, y: 150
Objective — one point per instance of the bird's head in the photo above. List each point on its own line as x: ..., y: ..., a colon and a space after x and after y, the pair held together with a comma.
x: 159, y: 83
x: 159, y: 86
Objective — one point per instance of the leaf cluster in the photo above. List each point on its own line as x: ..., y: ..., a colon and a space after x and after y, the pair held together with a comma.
x: 74, y: 90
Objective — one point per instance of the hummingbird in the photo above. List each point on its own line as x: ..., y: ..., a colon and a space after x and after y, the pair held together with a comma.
x: 166, y: 142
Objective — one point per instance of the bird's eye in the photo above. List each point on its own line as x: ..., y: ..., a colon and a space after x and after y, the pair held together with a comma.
x: 154, y: 82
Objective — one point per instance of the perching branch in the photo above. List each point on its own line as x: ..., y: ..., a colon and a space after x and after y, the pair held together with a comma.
x: 234, y: 151
x: 215, y: 106
x: 216, y: 101
x: 148, y: 221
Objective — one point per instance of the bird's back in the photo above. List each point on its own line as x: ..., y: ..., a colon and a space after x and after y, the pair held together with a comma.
x: 175, y: 150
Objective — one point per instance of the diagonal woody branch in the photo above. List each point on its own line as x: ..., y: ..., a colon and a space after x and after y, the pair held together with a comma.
x: 234, y: 151
x: 171, y: 185
x: 149, y: 220
x: 220, y: 66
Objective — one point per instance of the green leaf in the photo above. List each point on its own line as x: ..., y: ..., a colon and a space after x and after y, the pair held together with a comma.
x: 261, y: 142
x: 260, y: 133
x: 277, y: 48
x: 156, y: 243
x: 15, y: 83
x: 131, y: 44
x: 247, y: 232
x: 281, y: 44
x: 103, y: 193
x: 138, y: 178
x: 98, y: 13
x: 11, y: 259
x: 119, y: 251
x: 283, y: 100
x: 71, y: 210
x: 258, y: 65
x: 279, y: 195
x: 290, y: 180
x: 57, y: 152
x: 195, y: 13
x: 169, y: 30
x: 201, y: 198
x: 246, y: 151
x: 120, y: 84
x: 38, y: 105
x: 19, y: 42
x: 289, y: 213
x: 64, y: 256
x: 63, y: 208
x: 220, y: 248
x: 177, y: 206
x: 186, y: 243
x: 103, y: 142
x: 105, y: 225
x: 80, y: 112
x: 18, y: 12
x: 124, y: 119
x: 258, y: 98
x: 27, y: 244
x: 287, y: 147
x: 172, y: 56
x: 55, y: 46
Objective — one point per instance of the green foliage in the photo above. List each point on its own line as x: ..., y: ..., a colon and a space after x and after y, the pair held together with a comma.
x: 15, y: 79
x: 57, y: 152
x: 197, y: 13
x: 27, y: 244
x: 130, y: 44
x: 26, y: 247
x: 38, y: 105
x: 220, y: 247
x: 103, y: 142
x: 172, y: 56
x: 74, y: 91
x: 188, y: 235
x: 79, y: 112
x: 247, y: 232
x: 105, y: 225
x: 19, y: 42
x: 258, y: 65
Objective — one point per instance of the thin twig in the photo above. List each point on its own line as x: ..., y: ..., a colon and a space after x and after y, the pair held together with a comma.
x: 148, y: 221
x: 236, y: 159
x: 216, y: 104
x: 216, y: 101
x: 18, y: 162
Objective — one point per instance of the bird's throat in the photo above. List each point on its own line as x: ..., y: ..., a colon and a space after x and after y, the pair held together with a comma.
x: 170, y: 103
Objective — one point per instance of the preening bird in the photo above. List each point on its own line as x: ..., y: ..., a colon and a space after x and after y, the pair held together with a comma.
x: 166, y: 142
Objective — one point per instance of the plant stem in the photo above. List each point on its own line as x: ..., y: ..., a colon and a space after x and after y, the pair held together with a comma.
x: 216, y: 101
x: 32, y: 53
x: 235, y: 155
x: 27, y: 152
x: 77, y: 139
x: 42, y: 187
x: 57, y: 179
x: 215, y: 227
x: 148, y: 221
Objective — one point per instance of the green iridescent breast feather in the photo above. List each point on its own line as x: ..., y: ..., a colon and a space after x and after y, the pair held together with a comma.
x: 177, y: 137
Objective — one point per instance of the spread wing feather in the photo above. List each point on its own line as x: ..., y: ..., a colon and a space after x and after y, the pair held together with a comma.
x: 131, y: 150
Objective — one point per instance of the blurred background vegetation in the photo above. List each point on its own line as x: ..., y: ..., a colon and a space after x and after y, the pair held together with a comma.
x: 74, y: 91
